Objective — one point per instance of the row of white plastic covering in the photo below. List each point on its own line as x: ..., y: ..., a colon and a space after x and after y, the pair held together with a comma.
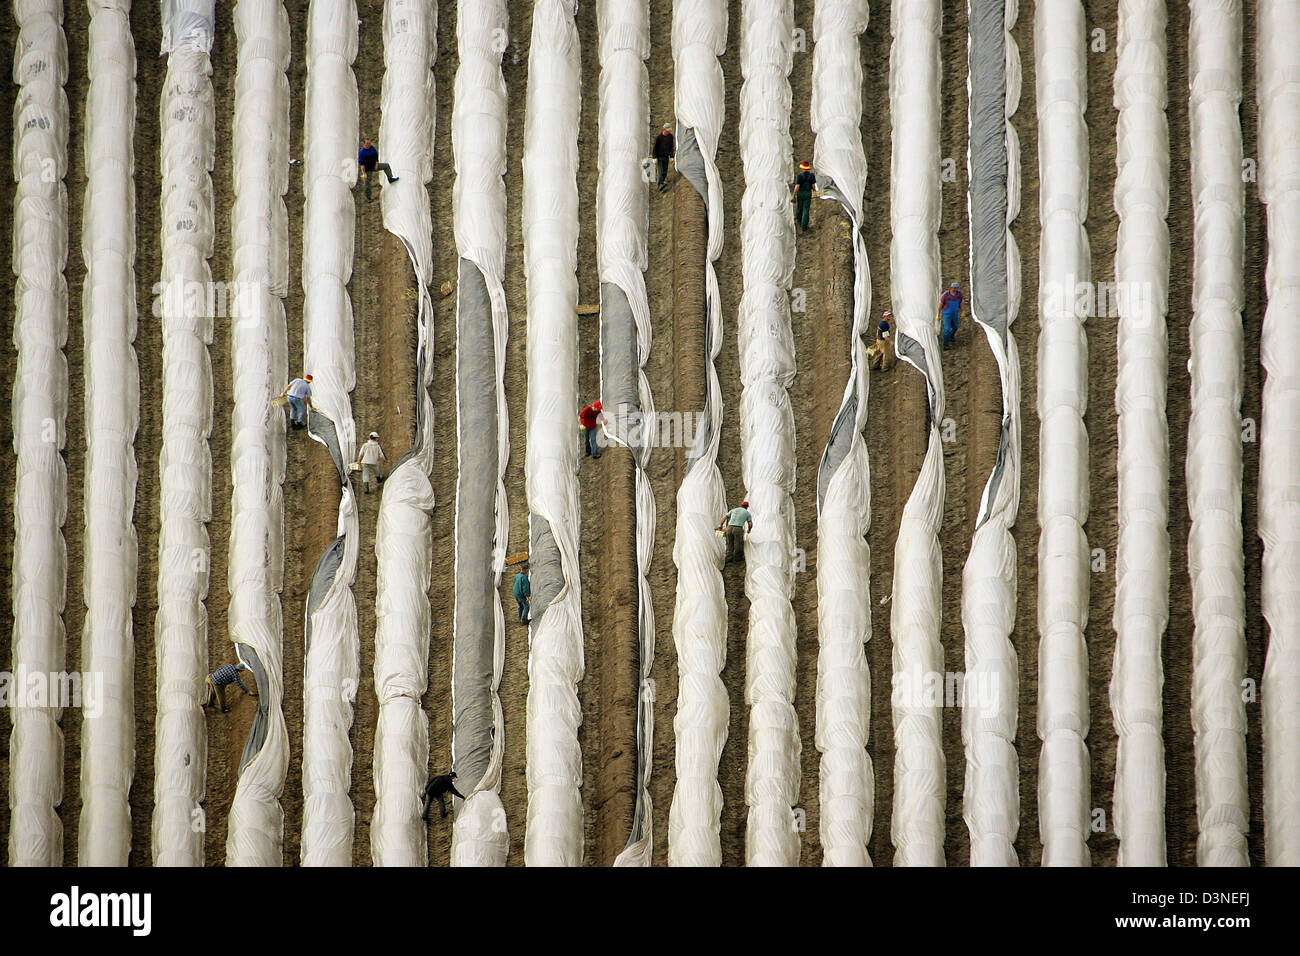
x: 991, y: 804
x: 112, y: 399
x: 917, y: 826
x: 555, y: 655
x: 403, y: 543
x: 622, y: 225
x: 1063, y: 558
x: 479, y: 834
x: 40, y: 411
x: 187, y: 115
x: 767, y: 440
x: 1215, y: 557
x: 846, y: 791
x: 700, y: 612
x: 333, y: 658
x: 1142, y: 556
x: 259, y: 365
x: 1279, y: 464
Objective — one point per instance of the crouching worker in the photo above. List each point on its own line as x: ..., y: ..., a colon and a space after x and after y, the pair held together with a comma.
x: 734, y: 525
x: 880, y: 354
x: 437, y: 789
x: 222, y: 678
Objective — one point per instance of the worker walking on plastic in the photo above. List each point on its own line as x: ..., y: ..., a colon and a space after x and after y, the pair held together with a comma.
x: 369, y: 458
x: 523, y: 591
x: 222, y: 678
x: 880, y: 354
x: 368, y: 160
x: 804, y: 184
x: 665, y: 148
x: 736, y: 523
x: 299, y: 394
x: 437, y: 789
x: 950, y: 313
x: 591, y: 419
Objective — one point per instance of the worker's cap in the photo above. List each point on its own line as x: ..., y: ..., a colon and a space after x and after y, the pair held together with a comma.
x: 452, y: 775
x: 306, y: 378
x: 956, y: 285
x: 744, y: 504
x: 668, y: 126
x: 887, y: 315
x: 596, y: 405
x: 805, y: 165
x: 374, y: 434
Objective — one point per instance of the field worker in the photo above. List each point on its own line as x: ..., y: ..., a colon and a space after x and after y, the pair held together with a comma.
x: 950, y: 312
x: 665, y: 148
x: 803, y: 194
x: 222, y: 678
x: 734, y: 525
x: 523, y: 590
x: 880, y: 354
x: 437, y: 789
x: 368, y: 160
x: 299, y: 394
x: 591, y: 419
x: 369, y: 458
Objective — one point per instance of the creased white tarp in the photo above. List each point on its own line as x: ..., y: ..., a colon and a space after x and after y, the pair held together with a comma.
x: 1279, y: 453
x: 187, y: 116
x: 403, y: 545
x: 40, y: 410
x: 1060, y: 63
x: 846, y: 781
x: 112, y: 401
x: 700, y: 612
x: 259, y: 366
x: 187, y: 23
x: 917, y: 824
x: 332, y: 664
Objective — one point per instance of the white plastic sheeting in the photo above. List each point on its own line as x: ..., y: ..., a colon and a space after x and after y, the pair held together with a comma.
x: 917, y: 826
x: 259, y: 366
x: 40, y: 409
x: 1215, y: 556
x: 403, y: 542
x: 847, y: 781
x: 991, y: 800
x: 767, y: 439
x: 112, y: 399
x: 187, y: 115
x: 550, y: 218
x: 1142, y: 555
x: 700, y: 615
x: 622, y: 214
x: 1060, y: 51
x: 479, y: 836
x: 332, y: 665
x: 1279, y: 456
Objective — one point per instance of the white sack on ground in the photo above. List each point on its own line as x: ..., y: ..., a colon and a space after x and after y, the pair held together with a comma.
x: 188, y: 120
x: 700, y: 610
x: 112, y: 415
x: 39, y: 409
x: 403, y: 543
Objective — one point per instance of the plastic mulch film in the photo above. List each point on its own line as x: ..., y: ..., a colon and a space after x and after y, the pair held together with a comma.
x: 1065, y: 265
x: 40, y: 410
x: 187, y: 23
x: 991, y: 805
x: 700, y: 613
x: 403, y: 541
x: 555, y: 655
x: 332, y: 659
x: 259, y: 368
x: 917, y: 826
x: 847, y: 779
x: 479, y: 834
x: 1142, y: 556
x: 188, y: 119
x: 112, y: 407
x: 1278, y: 65
x: 767, y: 368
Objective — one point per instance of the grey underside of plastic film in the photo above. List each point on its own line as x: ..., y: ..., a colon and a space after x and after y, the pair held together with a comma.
x: 261, y: 720
x: 544, y: 562
x: 618, y: 359
x: 690, y: 163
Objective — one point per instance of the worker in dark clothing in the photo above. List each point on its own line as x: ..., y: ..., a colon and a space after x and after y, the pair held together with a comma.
x: 804, y: 183
x: 880, y: 354
x: 665, y: 148
x: 437, y: 789
x: 734, y: 525
x: 368, y: 160
x: 222, y: 678
x: 523, y: 590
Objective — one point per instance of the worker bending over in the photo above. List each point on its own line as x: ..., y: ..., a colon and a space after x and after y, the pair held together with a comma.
x: 737, y: 522
x: 437, y: 789
x: 591, y: 418
x: 299, y: 394
x: 222, y: 678
x: 880, y: 354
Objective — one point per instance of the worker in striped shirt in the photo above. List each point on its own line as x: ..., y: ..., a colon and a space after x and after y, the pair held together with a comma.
x: 222, y: 678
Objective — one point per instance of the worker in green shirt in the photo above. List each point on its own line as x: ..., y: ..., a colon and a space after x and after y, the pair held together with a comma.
x: 523, y: 590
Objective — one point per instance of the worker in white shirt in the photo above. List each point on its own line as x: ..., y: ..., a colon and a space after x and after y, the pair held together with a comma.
x: 299, y: 394
x: 369, y: 459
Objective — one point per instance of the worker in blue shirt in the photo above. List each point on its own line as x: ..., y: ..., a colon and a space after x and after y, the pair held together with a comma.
x: 523, y: 591
x: 734, y: 525
x: 222, y: 678
x: 368, y: 160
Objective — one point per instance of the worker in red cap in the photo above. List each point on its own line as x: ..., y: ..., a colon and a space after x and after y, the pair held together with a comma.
x: 735, y: 525
x: 591, y: 418
x: 299, y: 394
x: 803, y: 194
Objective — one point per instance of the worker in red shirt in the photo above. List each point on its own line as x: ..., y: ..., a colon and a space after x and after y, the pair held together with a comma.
x: 950, y: 313
x: 591, y: 419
